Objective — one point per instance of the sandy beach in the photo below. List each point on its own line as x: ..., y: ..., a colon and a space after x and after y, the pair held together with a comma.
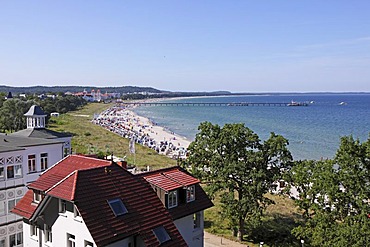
x: 123, y: 121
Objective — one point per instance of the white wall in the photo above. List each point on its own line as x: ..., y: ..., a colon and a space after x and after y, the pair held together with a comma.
x: 193, y: 237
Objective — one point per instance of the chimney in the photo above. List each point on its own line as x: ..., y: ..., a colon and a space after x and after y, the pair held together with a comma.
x: 123, y: 164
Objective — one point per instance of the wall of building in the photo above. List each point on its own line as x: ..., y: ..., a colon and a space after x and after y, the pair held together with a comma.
x: 13, y: 183
x: 62, y: 225
x: 192, y: 236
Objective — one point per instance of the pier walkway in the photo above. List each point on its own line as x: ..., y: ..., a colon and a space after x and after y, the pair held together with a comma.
x: 213, y: 104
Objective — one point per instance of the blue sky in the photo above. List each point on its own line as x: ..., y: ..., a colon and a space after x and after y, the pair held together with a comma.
x: 239, y: 46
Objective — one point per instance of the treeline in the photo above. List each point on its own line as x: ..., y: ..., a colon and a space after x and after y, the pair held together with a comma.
x: 12, y: 110
x: 64, y: 89
x: 333, y: 195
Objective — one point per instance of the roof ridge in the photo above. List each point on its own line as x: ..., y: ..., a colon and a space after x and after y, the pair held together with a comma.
x: 148, y: 173
x: 60, y: 181
x: 87, y: 157
x: 74, y: 185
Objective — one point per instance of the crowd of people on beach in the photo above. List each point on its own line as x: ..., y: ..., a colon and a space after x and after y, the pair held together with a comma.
x: 122, y: 121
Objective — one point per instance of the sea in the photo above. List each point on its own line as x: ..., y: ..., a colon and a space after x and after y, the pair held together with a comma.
x: 313, y: 131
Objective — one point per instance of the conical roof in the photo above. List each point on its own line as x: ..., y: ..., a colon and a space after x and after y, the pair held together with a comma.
x: 35, y: 110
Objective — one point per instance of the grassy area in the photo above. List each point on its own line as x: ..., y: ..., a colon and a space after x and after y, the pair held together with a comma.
x: 89, y: 138
x: 274, y: 230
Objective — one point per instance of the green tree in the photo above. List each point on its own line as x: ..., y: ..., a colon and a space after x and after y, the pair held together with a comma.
x: 236, y: 164
x: 12, y: 114
x: 334, y: 195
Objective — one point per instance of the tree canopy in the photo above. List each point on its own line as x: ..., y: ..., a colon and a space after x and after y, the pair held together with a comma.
x: 12, y: 110
x: 238, y: 166
x: 334, y: 195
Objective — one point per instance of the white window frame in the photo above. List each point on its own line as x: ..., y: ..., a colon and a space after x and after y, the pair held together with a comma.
x: 172, y: 199
x: 3, y: 208
x: 62, y: 206
x: 33, y: 231
x: 48, y: 235
x: 37, y: 196
x: 17, y: 171
x: 88, y: 244
x: 18, y: 239
x: 31, y: 161
x: 2, y: 173
x: 190, y: 193
x: 44, y: 161
x: 197, y: 220
x: 76, y: 213
x: 71, y: 240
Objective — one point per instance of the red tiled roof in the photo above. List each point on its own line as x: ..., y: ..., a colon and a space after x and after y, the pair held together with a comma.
x: 90, y: 188
x: 25, y: 207
x: 66, y: 188
x: 182, y: 178
x: 163, y: 182
x: 170, y: 179
x: 65, y: 167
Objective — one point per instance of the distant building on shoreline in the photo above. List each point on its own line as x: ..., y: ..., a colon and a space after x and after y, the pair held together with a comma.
x: 96, y: 96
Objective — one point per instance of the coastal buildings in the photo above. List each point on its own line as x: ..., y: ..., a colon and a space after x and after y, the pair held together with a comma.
x: 96, y: 96
x: 83, y: 201
x: 23, y: 156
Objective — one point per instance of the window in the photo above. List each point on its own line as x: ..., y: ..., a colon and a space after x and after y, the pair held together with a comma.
x: 33, y: 230
x: 15, y: 239
x: 11, y: 204
x: 2, y: 208
x: 71, y: 240
x: 172, y: 199
x: 14, y: 171
x: 44, y: 161
x: 117, y: 207
x: 76, y: 212
x: 48, y: 235
x: 88, y: 244
x: 190, y: 193
x: 2, y: 161
x: 161, y: 234
x: 197, y: 218
x: 2, y: 242
x: 37, y: 197
x: 31, y: 163
x: 62, y: 206
x: 2, y: 175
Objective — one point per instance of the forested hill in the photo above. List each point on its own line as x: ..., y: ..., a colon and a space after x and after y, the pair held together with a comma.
x: 57, y: 89
x: 122, y: 90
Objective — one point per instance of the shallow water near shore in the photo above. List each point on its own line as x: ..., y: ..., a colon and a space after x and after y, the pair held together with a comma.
x: 313, y: 132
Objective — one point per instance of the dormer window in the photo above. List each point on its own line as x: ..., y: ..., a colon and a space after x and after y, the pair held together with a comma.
x: 117, y: 207
x: 172, y: 199
x: 190, y: 193
x: 37, y: 196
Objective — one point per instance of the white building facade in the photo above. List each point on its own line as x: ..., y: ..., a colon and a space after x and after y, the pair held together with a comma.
x: 22, y: 159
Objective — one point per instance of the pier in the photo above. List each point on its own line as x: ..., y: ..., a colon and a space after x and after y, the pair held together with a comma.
x: 214, y: 104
